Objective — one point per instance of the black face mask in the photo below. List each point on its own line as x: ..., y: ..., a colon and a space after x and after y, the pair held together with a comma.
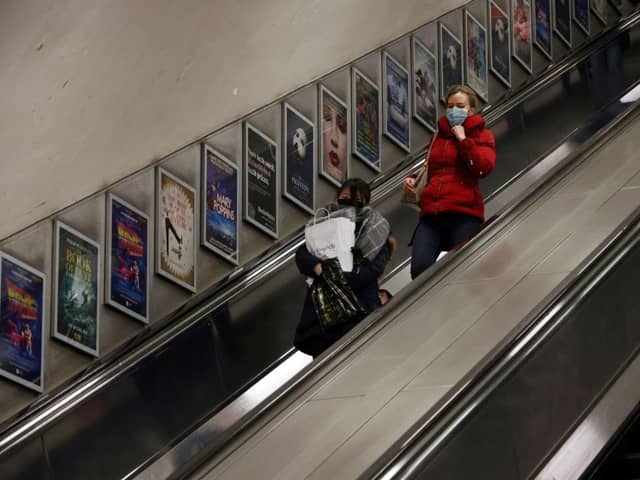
x: 349, y: 202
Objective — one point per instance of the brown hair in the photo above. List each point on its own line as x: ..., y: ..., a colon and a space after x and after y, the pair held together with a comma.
x: 473, y: 98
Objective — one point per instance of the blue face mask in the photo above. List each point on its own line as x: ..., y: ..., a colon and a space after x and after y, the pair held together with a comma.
x: 456, y: 116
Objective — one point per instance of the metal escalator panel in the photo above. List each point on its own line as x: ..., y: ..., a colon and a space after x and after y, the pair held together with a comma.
x: 529, y: 398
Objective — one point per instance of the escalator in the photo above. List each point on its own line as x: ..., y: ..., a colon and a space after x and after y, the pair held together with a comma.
x: 557, y: 395
x: 204, y: 364
x: 482, y: 372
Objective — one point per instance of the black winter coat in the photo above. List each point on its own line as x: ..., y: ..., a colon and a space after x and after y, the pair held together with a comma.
x: 363, y: 280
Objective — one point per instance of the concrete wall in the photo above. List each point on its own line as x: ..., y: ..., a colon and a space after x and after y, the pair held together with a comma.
x: 93, y: 90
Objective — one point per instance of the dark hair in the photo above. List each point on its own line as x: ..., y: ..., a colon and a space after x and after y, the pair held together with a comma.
x: 473, y: 98
x: 357, y: 187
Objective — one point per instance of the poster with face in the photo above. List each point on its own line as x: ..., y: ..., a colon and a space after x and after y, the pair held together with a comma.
x: 581, y: 15
x: 425, y: 85
x: 261, y: 180
x: 562, y: 20
x: 366, y: 123
x: 522, y: 42
x: 175, y: 230
x: 334, y: 124
x: 300, y: 158
x: 220, y: 187
x: 395, y: 101
x: 450, y: 61
x: 599, y: 8
x: 21, y: 323
x: 77, y: 290
x: 542, y: 30
x: 500, y: 43
x: 127, y: 259
x: 476, y: 55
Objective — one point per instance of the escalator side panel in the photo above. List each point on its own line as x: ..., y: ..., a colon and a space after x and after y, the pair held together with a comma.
x: 29, y: 462
x: 140, y: 414
x: 528, y: 414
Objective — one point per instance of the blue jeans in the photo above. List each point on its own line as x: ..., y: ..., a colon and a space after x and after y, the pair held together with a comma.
x: 439, y: 233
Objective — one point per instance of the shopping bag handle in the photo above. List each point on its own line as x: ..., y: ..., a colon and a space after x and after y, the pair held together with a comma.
x: 318, y: 211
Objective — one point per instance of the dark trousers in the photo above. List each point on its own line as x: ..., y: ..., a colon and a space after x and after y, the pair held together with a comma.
x: 439, y: 233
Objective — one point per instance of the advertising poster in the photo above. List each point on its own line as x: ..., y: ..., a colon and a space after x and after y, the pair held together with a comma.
x: 396, y: 102
x: 562, y: 20
x: 425, y: 85
x: 581, y: 14
x: 77, y: 289
x: 366, y: 120
x: 599, y: 8
x: 476, y: 54
x: 450, y: 61
x: 175, y: 230
x: 21, y: 323
x: 334, y: 125
x: 542, y: 31
x: 127, y: 259
x: 220, y: 190
x: 261, y: 179
x: 300, y: 159
x: 522, y: 41
x: 500, y: 51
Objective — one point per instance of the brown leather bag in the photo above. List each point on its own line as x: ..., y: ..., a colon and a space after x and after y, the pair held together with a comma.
x: 421, y: 179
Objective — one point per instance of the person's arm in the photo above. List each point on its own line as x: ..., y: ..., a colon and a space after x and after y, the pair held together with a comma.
x: 479, y: 153
x: 308, y: 264
x: 369, y: 271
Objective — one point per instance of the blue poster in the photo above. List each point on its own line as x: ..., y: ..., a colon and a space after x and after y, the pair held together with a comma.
x: 77, y: 286
x: 562, y: 21
x: 21, y: 323
x: 221, y: 205
x: 300, y: 159
x: 396, y: 124
x: 581, y: 14
x: 129, y: 260
x: 543, y: 26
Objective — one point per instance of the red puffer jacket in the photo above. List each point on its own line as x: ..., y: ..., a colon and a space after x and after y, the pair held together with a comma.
x: 454, y: 169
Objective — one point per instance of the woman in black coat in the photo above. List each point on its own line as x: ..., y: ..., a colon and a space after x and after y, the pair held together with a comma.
x: 310, y: 338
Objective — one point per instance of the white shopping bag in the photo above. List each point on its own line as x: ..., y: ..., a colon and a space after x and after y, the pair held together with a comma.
x: 332, y: 236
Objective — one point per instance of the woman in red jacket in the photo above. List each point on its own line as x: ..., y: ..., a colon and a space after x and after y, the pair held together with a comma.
x: 451, y: 205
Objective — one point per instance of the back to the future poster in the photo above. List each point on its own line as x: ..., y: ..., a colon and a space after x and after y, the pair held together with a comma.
x: 21, y: 323
x: 128, y: 259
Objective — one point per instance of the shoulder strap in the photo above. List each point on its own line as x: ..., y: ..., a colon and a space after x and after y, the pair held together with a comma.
x: 426, y: 158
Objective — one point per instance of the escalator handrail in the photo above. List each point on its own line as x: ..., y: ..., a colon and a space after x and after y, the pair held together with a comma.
x: 50, y: 407
x: 437, y: 427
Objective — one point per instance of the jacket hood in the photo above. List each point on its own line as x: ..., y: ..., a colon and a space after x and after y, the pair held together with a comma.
x: 473, y: 122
